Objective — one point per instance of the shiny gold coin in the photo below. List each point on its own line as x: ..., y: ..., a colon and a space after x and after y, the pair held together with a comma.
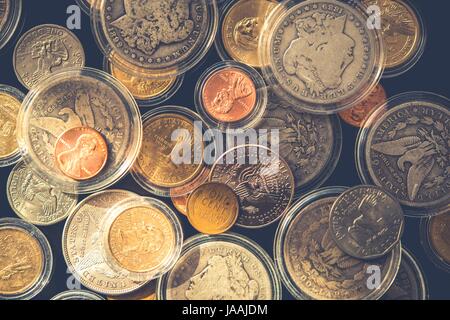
x: 9, y: 108
x: 440, y: 235
x: 213, y: 208
x: 21, y: 261
x: 242, y: 27
x: 148, y: 292
x: 157, y: 163
x: 141, y: 239
x: 400, y: 29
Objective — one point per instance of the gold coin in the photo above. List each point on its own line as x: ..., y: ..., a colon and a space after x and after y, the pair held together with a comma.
x: 440, y: 235
x: 242, y: 27
x: 400, y: 30
x: 213, y: 208
x: 148, y: 292
x: 21, y: 261
x: 9, y: 108
x: 155, y: 162
x: 141, y: 239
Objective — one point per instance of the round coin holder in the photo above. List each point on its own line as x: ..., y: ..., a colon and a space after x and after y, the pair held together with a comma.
x: 55, y: 177
x: 135, y: 65
x: 425, y: 240
x: 165, y: 95
x: 77, y: 295
x: 195, y: 243
x: 138, y: 173
x: 84, y: 5
x: 47, y: 257
x: 19, y: 96
x: 163, y: 266
x: 12, y: 21
x: 287, y: 8
x: 280, y: 238
x: 258, y: 110
x: 366, y: 128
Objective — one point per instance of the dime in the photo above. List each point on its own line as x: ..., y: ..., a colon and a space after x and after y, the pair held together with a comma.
x: 262, y: 181
x: 148, y: 292
x: 9, y: 108
x: 356, y: 115
x: 213, y: 208
x: 81, y: 245
x: 409, y: 283
x: 34, y: 200
x: 242, y: 27
x: 309, y: 143
x: 439, y: 236
x: 21, y: 261
x: 44, y: 50
x: 155, y: 161
x: 323, y: 271
x: 400, y: 29
x: 407, y: 153
x: 219, y: 270
x: 229, y: 95
x: 321, y: 52
x: 5, y: 7
x: 81, y: 153
x: 141, y: 239
x: 366, y: 222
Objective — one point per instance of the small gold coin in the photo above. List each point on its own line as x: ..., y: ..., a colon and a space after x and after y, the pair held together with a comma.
x: 9, y: 108
x: 440, y: 235
x: 21, y: 261
x: 213, y: 208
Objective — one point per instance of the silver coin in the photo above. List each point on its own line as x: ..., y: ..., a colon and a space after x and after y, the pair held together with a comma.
x: 44, y: 50
x: 34, y: 200
x: 407, y: 152
x: 366, y: 222
x: 262, y: 181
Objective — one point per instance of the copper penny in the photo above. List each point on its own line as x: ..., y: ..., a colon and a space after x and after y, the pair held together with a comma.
x: 81, y: 153
x: 229, y: 95
x: 356, y: 115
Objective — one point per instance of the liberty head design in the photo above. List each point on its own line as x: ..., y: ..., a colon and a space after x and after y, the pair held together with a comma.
x: 321, y: 53
x: 246, y: 33
x: 223, y: 278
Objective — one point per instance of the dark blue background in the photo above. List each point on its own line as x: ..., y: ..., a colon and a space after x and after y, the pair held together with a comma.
x: 431, y: 74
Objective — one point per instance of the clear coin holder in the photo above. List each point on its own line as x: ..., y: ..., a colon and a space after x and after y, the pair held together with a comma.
x: 11, y: 22
x: 195, y: 243
x: 47, y: 258
x: 427, y: 244
x: 85, y: 5
x: 77, y: 295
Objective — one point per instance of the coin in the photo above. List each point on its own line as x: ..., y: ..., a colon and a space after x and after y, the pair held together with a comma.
x: 81, y: 245
x: 141, y: 239
x: 262, y: 181
x: 44, y: 50
x: 21, y: 261
x: 229, y: 95
x: 77, y: 295
x: 9, y: 108
x: 356, y: 115
x: 213, y: 208
x: 320, y: 269
x: 309, y: 143
x: 400, y: 29
x: 407, y: 153
x: 81, y: 153
x: 5, y: 7
x: 366, y: 222
x: 155, y: 161
x: 321, y: 52
x: 242, y: 27
x: 147, y: 292
x: 156, y: 34
x: 34, y: 200
x: 409, y: 283
x: 439, y: 235
x: 219, y: 269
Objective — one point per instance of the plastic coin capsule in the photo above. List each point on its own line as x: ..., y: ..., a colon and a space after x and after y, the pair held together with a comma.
x: 27, y: 260
x: 10, y: 104
x: 308, y: 259
x: 87, y: 100
x: 77, y: 295
x: 434, y: 235
x: 85, y: 5
x: 10, y: 12
x: 221, y: 267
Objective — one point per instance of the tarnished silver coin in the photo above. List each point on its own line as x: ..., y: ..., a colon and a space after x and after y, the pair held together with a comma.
x: 366, y: 222
x: 82, y: 249
x: 262, y: 181
x: 310, y: 144
x: 407, y: 153
x: 34, y: 200
x: 46, y: 49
